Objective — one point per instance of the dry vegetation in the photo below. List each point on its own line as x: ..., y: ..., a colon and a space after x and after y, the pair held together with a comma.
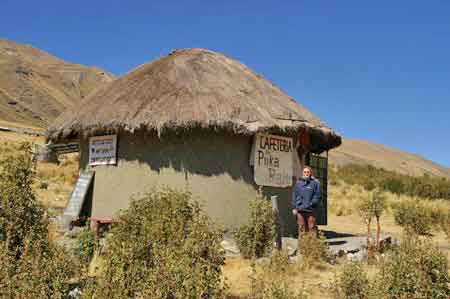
x: 53, y: 183
x: 319, y: 281
x: 272, y: 277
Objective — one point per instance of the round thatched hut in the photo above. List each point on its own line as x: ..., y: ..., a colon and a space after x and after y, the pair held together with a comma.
x: 190, y: 119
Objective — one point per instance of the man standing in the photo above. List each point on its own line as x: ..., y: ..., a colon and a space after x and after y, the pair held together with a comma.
x: 305, y: 198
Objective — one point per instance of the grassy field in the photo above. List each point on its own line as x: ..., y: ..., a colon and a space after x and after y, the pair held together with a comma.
x: 55, y: 182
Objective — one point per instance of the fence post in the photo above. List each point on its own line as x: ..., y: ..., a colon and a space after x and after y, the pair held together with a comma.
x: 276, y: 212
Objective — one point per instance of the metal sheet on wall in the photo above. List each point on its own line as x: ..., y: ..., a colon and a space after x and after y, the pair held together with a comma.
x: 319, y: 165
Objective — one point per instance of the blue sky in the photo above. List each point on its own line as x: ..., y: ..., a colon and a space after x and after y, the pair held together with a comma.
x: 373, y: 70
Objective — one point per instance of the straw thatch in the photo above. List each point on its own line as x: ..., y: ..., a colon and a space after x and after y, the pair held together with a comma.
x: 191, y: 88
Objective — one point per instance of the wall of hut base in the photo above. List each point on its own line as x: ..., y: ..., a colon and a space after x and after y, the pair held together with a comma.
x: 213, y: 166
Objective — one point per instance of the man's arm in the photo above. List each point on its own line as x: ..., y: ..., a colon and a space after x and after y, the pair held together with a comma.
x: 316, y: 196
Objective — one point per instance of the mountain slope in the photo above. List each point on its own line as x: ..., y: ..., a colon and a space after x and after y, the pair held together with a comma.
x: 363, y: 152
x: 36, y: 87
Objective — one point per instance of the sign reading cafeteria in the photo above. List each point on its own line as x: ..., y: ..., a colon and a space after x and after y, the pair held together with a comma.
x: 102, y: 150
x: 273, y: 160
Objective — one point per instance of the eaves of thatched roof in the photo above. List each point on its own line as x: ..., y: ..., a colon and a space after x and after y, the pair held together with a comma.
x: 191, y: 89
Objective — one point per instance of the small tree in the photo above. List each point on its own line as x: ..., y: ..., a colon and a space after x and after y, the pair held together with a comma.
x: 378, y: 203
x: 372, y: 206
x: 365, y: 211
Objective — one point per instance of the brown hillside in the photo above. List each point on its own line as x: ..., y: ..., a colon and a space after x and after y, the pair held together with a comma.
x: 36, y: 87
x: 363, y: 152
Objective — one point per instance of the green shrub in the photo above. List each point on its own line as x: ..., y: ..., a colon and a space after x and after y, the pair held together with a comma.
x: 312, y: 249
x: 256, y: 238
x: 352, y: 282
x: 40, y: 272
x: 84, y: 247
x: 414, y: 217
x: 31, y: 265
x: 21, y: 216
x: 416, y: 269
x: 162, y: 246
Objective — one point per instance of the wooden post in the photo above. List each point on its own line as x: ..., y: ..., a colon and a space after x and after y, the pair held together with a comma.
x: 278, y: 222
x: 95, y: 227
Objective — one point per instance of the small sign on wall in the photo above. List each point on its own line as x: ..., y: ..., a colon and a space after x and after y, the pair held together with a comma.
x: 103, y: 150
x: 273, y: 165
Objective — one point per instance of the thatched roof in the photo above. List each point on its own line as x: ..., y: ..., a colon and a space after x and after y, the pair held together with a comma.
x: 191, y: 88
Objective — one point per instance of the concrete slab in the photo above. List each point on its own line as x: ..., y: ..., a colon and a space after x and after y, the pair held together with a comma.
x: 339, y: 246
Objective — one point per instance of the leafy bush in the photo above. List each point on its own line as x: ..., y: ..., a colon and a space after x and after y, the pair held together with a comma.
x: 414, y: 217
x: 256, y: 238
x: 85, y: 246
x: 31, y: 265
x: 21, y: 216
x: 352, y: 282
x: 312, y: 249
x: 417, y: 269
x: 40, y: 272
x: 162, y: 246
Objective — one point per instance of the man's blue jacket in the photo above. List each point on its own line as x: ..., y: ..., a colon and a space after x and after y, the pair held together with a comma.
x: 306, y: 194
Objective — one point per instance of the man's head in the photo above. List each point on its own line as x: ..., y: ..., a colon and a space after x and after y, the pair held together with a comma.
x: 307, y: 172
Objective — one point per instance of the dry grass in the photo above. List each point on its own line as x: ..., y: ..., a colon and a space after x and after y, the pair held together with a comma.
x: 59, y: 181
x: 316, y: 282
x: 54, y: 183
x: 9, y: 139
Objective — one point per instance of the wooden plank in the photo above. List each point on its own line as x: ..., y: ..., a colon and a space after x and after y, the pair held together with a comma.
x: 65, y: 148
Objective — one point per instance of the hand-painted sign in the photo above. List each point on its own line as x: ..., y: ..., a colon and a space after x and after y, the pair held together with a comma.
x: 102, y: 150
x: 273, y: 160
